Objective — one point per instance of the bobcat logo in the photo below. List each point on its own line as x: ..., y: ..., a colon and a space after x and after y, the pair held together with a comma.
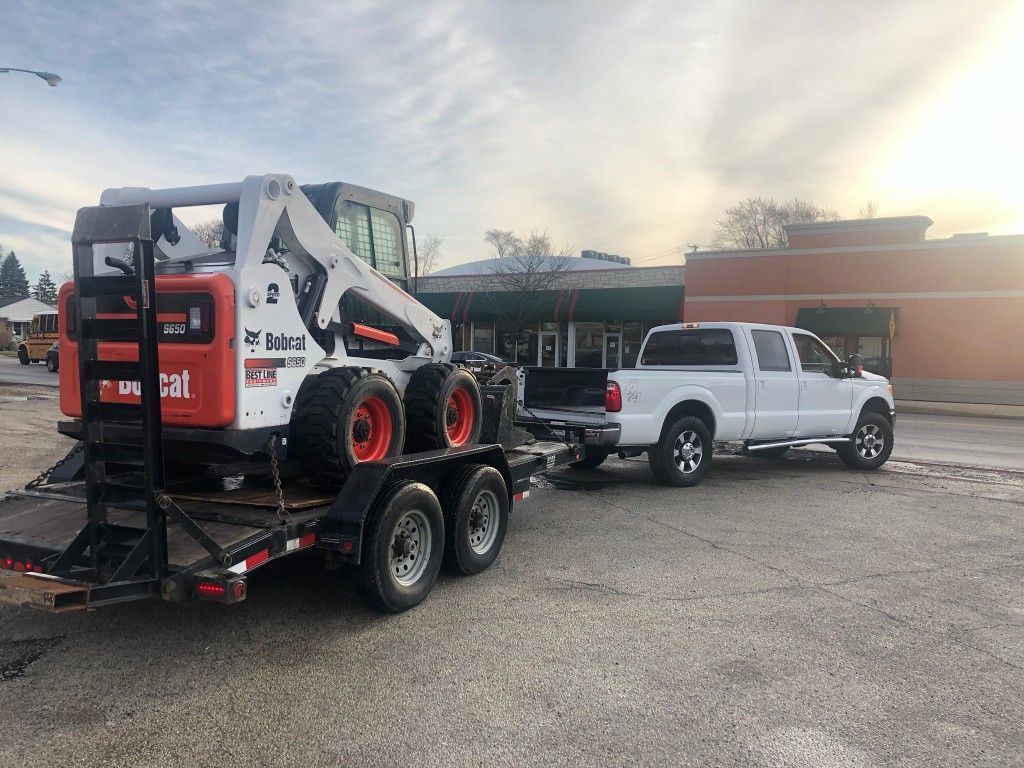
x: 252, y: 338
x: 437, y: 329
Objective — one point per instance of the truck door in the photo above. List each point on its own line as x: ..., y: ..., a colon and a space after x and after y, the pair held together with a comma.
x: 825, y: 401
x: 776, y: 394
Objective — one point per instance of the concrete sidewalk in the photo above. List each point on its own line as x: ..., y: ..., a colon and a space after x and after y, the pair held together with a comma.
x: 960, y: 409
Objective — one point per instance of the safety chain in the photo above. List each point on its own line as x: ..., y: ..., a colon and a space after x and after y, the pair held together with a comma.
x: 45, y: 474
x: 282, y: 512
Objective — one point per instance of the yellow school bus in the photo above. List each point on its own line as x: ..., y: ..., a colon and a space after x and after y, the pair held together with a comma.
x: 40, y: 335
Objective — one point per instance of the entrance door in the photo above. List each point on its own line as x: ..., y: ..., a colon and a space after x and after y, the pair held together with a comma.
x: 547, y: 352
x: 613, y: 350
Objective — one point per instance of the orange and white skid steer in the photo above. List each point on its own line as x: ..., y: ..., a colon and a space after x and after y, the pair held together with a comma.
x: 295, y: 337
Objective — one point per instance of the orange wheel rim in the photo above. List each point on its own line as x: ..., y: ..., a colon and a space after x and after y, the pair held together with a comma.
x: 459, y: 416
x: 372, y: 429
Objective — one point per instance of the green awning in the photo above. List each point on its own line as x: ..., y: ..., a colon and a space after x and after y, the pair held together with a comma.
x: 852, y: 321
x: 660, y: 303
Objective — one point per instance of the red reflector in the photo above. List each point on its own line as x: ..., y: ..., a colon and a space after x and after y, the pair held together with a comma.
x: 307, y: 540
x: 211, y: 589
x: 19, y: 566
x: 612, y: 398
x: 258, y: 559
x: 348, y: 546
x: 238, y: 590
x: 8, y: 563
x: 28, y: 565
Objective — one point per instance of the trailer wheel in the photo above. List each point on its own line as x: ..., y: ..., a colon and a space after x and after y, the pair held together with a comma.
x: 683, y: 455
x: 442, y: 407
x: 23, y: 355
x: 403, y: 548
x: 344, y: 416
x: 476, y: 507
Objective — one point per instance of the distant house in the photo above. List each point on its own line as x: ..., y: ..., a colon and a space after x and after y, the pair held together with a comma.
x: 16, y: 313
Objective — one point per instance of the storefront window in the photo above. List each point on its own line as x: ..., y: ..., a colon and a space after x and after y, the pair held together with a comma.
x: 483, y: 337
x: 589, y: 345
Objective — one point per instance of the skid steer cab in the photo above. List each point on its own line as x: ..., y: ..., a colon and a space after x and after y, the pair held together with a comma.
x: 295, y: 337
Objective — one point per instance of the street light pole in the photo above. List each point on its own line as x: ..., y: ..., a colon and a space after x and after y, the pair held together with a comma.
x: 51, y: 79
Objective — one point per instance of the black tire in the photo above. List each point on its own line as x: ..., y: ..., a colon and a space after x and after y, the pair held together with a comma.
x: 324, y: 430
x: 767, y: 453
x: 51, y: 365
x: 593, y: 457
x: 679, y: 467
x: 476, y: 507
x: 23, y: 356
x: 431, y: 422
x: 872, y: 442
x: 394, y: 548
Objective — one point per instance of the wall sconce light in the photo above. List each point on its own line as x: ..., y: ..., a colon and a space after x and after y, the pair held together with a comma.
x: 822, y: 307
x: 869, y: 307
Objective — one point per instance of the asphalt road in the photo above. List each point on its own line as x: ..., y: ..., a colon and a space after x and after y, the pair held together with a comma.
x: 790, y: 613
x: 13, y: 372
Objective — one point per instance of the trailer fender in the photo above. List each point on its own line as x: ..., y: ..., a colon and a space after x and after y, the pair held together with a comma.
x: 348, y: 517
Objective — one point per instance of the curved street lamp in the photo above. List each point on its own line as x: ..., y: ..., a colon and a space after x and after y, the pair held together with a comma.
x: 51, y: 79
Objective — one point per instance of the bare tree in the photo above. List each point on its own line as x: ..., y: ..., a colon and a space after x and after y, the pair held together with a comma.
x: 759, y: 222
x: 869, y: 210
x: 209, y: 232
x: 526, y: 267
x: 429, y: 251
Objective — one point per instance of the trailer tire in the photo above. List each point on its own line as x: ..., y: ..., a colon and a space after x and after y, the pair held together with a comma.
x: 593, y: 457
x: 23, y: 357
x: 872, y: 442
x: 403, y: 548
x: 683, y: 455
x: 443, y: 408
x: 476, y: 507
x: 344, y: 416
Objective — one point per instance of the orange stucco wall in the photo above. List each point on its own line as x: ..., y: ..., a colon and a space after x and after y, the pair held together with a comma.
x: 971, y: 330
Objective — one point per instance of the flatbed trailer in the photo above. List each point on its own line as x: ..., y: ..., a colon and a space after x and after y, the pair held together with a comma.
x: 222, y: 527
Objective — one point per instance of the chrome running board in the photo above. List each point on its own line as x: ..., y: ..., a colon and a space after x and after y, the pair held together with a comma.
x: 801, y: 441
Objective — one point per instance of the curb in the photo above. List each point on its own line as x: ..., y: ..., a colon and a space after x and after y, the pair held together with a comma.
x: 977, y: 410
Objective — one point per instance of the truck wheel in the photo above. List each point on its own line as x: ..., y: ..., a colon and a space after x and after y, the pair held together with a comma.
x: 442, y: 407
x: 593, y: 457
x: 872, y: 443
x: 403, y: 548
x: 475, y: 503
x: 23, y: 356
x: 344, y: 416
x: 683, y: 455
x: 767, y: 453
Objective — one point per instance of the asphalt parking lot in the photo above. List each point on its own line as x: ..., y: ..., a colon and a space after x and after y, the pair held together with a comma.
x: 789, y: 613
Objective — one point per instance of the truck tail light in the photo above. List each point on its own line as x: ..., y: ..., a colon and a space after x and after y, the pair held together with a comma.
x: 612, y: 398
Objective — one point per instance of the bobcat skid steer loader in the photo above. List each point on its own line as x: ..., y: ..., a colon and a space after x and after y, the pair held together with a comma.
x: 296, y: 337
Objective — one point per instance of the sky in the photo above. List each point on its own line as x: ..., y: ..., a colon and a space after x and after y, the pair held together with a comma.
x: 624, y: 127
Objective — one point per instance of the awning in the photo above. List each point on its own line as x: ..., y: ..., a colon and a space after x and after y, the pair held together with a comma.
x: 852, y: 321
x: 659, y: 303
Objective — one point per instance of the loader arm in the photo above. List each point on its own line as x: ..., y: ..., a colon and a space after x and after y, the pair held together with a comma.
x: 274, y: 204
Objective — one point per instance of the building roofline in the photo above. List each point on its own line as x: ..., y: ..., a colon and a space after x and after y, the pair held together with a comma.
x: 937, y: 243
x: 860, y: 225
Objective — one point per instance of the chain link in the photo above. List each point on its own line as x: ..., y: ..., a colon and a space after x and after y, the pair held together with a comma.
x: 45, y: 474
x: 282, y: 511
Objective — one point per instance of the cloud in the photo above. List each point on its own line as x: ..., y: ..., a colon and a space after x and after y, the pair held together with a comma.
x: 625, y: 127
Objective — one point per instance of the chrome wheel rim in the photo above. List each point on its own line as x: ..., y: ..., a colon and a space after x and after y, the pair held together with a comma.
x: 483, y: 522
x: 869, y: 441
x: 410, y: 547
x: 688, y: 451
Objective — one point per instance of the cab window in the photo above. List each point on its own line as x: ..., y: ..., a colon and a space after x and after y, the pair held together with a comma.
x: 375, y: 236
x: 711, y: 346
x: 772, y: 354
x: 814, y: 356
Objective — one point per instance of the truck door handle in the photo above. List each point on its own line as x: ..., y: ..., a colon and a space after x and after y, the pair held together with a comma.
x: 760, y: 385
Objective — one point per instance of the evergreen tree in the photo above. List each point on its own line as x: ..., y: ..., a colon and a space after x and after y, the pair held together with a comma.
x: 45, y: 289
x: 13, y: 281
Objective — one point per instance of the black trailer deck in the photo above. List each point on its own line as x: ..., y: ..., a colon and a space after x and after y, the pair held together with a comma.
x: 242, y: 516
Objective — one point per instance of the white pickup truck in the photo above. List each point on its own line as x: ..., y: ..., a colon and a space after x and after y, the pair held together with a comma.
x: 767, y: 386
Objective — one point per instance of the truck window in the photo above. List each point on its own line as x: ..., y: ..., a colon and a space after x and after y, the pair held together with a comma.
x: 814, y: 356
x: 710, y: 346
x: 771, y: 351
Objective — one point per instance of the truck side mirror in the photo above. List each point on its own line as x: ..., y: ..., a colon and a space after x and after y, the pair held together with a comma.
x: 855, y: 365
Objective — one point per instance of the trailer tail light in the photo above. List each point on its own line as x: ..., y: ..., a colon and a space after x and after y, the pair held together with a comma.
x: 238, y: 590
x: 612, y: 398
x: 211, y: 589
